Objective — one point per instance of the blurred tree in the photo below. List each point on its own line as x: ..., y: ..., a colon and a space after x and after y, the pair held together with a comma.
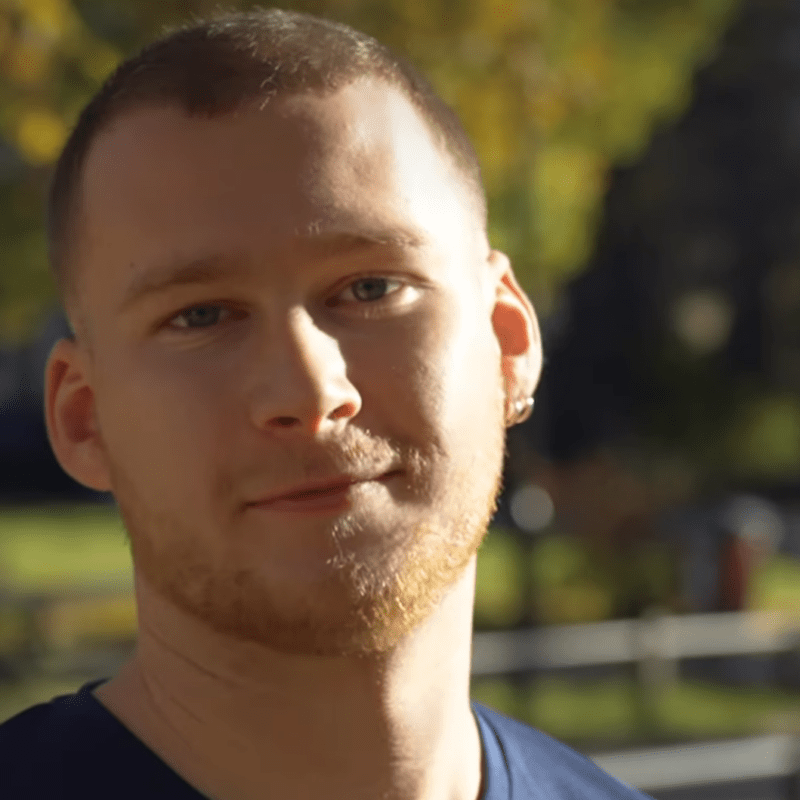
x: 552, y: 91
x: 681, y: 337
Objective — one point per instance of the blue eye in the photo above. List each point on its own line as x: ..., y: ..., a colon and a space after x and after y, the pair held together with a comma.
x: 372, y: 289
x: 199, y: 316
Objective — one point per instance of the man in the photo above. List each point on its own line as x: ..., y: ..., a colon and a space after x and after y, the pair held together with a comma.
x: 295, y: 357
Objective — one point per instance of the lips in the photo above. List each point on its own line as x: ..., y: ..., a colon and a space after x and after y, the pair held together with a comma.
x: 313, y: 490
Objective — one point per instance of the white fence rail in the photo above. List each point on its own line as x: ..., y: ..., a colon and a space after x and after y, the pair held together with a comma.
x: 766, y: 765
x: 635, y: 640
x: 709, y: 763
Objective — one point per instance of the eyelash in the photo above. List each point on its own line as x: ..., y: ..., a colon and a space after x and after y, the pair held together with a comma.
x: 400, y: 285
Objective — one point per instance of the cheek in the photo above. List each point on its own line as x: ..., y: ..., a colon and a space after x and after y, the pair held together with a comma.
x: 405, y: 369
x: 159, y: 423
x: 440, y: 371
x: 467, y: 362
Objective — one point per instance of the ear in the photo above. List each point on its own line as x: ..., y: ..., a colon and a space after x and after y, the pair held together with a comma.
x: 517, y: 330
x: 71, y: 418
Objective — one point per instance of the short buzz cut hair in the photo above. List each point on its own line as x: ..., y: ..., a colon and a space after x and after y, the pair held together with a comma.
x: 216, y: 66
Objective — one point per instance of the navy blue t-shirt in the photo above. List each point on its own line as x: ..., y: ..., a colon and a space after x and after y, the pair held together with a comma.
x: 73, y: 748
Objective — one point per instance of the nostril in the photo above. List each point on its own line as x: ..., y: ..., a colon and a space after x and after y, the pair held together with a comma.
x: 285, y: 422
x: 345, y: 410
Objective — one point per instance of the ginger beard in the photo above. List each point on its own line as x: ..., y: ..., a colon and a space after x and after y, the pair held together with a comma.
x: 363, y: 605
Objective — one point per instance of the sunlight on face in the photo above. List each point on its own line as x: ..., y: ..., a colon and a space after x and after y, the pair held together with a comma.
x: 285, y: 296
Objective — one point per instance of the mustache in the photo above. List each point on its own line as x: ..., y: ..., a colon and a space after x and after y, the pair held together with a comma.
x: 355, y: 452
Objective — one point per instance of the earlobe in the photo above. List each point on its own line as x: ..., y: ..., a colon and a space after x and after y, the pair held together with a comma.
x: 516, y: 328
x: 71, y: 419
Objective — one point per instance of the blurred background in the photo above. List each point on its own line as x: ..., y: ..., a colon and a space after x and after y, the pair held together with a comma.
x: 639, y: 592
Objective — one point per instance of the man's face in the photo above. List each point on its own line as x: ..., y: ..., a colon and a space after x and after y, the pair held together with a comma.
x: 331, y: 315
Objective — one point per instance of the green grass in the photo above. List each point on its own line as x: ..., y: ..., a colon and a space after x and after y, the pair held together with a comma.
x: 500, y: 580
x: 51, y: 547
x: 614, y: 709
x: 54, y: 549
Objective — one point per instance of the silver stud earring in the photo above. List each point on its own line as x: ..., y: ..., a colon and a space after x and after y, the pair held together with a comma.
x: 522, y: 410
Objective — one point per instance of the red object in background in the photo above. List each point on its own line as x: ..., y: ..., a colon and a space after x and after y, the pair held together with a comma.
x: 737, y: 560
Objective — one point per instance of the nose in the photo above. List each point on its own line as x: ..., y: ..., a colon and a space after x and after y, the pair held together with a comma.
x: 302, y: 385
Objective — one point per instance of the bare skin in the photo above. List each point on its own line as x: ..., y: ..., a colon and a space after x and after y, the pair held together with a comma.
x: 301, y: 652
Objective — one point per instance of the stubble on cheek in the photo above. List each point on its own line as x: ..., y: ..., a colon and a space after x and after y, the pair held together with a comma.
x: 394, y: 596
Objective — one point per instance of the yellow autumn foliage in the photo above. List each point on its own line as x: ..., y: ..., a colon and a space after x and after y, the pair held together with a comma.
x: 40, y: 134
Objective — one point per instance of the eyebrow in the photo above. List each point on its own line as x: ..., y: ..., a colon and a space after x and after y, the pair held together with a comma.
x: 210, y: 268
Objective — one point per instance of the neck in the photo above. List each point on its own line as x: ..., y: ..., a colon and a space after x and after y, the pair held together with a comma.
x: 235, y: 719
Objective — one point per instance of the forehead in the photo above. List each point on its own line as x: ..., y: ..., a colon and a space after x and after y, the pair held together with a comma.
x: 361, y: 156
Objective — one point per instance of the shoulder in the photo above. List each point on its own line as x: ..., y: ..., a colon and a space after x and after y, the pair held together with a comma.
x: 73, y: 747
x: 29, y: 755
x: 47, y: 746
x: 59, y: 720
x: 539, y: 766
